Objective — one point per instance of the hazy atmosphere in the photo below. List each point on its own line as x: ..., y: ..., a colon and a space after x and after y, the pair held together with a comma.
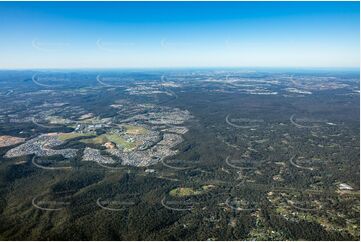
x: 179, y: 34
x: 179, y: 121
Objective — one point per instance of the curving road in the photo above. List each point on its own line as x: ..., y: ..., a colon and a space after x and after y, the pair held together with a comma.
x: 238, y: 167
x: 112, y: 209
x: 298, y: 166
x: 49, y: 168
x: 175, y: 167
x: 174, y: 209
x: 105, y: 84
x: 41, y: 84
x: 238, y: 208
x: 239, y: 126
x: 299, y: 125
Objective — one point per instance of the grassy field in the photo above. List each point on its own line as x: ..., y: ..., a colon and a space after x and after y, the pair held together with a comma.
x: 184, y: 192
x: 115, y: 138
x: 135, y: 130
x: 68, y: 136
x: 120, y: 141
x: 56, y: 120
x: 208, y: 187
x: 187, y: 191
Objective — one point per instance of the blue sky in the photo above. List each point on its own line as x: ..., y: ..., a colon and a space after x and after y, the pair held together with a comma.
x: 179, y: 34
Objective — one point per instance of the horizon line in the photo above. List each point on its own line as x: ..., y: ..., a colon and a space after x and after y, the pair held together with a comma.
x: 180, y: 67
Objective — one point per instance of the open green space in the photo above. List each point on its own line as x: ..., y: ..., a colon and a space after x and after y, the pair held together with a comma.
x: 68, y: 136
x: 115, y: 138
